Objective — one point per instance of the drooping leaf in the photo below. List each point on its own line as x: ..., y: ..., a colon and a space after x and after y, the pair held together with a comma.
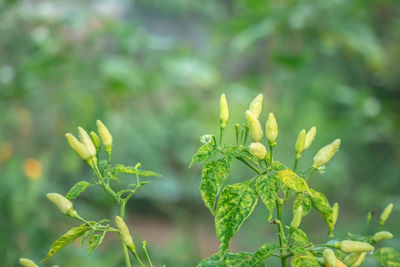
x: 87, y: 235
x: 292, y: 180
x: 229, y: 259
x: 236, y: 203
x: 77, y: 189
x: 387, y: 257
x: 321, y: 204
x: 302, y: 200
x: 67, y: 238
x: 213, y: 178
x: 304, y: 260
x: 265, y: 251
x: 95, y: 241
x: 205, y: 152
x: 131, y: 169
x: 267, y: 187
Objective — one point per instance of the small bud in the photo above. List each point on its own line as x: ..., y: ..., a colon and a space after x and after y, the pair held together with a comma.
x: 206, y: 139
x: 385, y: 214
x: 271, y: 129
x: 335, y: 212
x: 256, y: 105
x: 297, y: 217
x: 124, y: 233
x: 78, y: 147
x: 258, y: 150
x: 63, y: 204
x: 96, y: 141
x: 105, y: 136
x: 382, y: 235
x: 301, y: 138
x: 27, y: 262
x: 223, y: 111
x: 329, y: 256
x: 310, y: 137
x: 325, y: 154
x: 354, y: 246
x: 256, y: 131
x: 87, y: 141
x: 355, y: 259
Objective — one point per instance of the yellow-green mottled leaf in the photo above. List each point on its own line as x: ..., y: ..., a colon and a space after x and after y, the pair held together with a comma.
x: 228, y: 259
x: 213, y: 178
x: 95, y: 241
x: 205, y: 152
x: 235, y: 204
x: 302, y: 200
x: 267, y: 187
x: 300, y: 241
x: 131, y: 169
x: 265, y: 251
x: 77, y: 189
x: 67, y: 238
x: 304, y: 260
x: 321, y: 204
x: 292, y: 180
x: 387, y: 257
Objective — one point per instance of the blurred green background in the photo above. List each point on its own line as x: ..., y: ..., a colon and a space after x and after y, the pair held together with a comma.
x: 152, y: 71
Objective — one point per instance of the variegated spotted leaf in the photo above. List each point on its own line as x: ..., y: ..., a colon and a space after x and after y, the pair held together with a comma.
x: 235, y: 204
x: 264, y: 252
x: 300, y: 241
x: 387, y: 257
x: 131, y: 169
x: 302, y: 200
x: 213, y: 178
x: 292, y: 180
x: 304, y: 260
x: 321, y: 204
x: 67, y: 238
x: 229, y: 259
x: 267, y: 187
x: 205, y: 152
x: 77, y: 189
x: 95, y: 241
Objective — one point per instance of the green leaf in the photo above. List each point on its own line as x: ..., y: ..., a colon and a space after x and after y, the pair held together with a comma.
x: 278, y: 166
x: 86, y: 235
x: 262, y: 253
x: 321, y: 204
x: 236, y: 203
x: 95, y: 241
x: 298, y: 235
x: 77, y: 189
x: 67, y: 238
x: 213, y: 178
x: 302, y: 200
x: 131, y: 169
x: 205, y: 152
x: 267, y: 187
x: 229, y: 259
x: 387, y: 257
x: 292, y: 180
x: 304, y: 260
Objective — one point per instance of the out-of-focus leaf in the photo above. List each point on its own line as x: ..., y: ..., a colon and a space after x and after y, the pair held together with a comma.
x: 77, y: 189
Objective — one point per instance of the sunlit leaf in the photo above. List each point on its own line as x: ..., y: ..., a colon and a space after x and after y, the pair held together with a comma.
x: 292, y: 180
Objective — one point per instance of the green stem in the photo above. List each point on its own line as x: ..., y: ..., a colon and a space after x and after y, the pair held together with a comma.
x: 296, y: 161
x: 221, y: 133
x: 270, y: 155
x: 147, y: 254
x: 125, y: 249
x: 280, y: 231
x: 248, y: 164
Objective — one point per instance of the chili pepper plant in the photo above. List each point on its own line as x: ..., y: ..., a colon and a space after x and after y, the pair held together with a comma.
x: 88, y: 148
x: 278, y: 187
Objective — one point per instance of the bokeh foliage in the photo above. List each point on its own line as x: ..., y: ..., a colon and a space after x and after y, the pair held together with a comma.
x: 153, y: 71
